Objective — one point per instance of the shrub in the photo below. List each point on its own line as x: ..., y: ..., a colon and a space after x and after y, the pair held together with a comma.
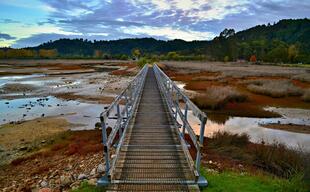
x: 274, y: 88
x: 306, y: 95
x: 218, y: 97
x: 224, y: 138
x: 278, y: 159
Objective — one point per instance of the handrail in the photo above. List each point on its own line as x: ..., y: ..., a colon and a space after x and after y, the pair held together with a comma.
x: 129, y: 98
x: 173, y: 95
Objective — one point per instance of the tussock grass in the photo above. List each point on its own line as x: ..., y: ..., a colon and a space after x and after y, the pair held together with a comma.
x: 274, y: 88
x: 275, y: 158
x: 306, y: 95
x: 217, y: 97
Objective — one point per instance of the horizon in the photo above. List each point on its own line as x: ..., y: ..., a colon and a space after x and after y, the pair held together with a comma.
x: 31, y: 23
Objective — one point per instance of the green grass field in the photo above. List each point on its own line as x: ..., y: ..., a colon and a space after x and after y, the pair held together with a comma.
x: 242, y: 182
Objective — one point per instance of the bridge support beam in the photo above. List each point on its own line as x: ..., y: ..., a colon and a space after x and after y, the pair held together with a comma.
x: 105, y: 180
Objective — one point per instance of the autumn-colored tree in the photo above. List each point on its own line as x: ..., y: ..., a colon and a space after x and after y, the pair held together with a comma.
x: 226, y: 58
x: 136, y: 53
x: 98, y: 54
x: 47, y: 53
x: 253, y: 59
x: 292, y: 53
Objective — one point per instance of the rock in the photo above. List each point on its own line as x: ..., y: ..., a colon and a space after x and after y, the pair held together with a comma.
x: 93, y: 172
x: 92, y: 181
x: 100, y: 168
x: 97, y: 125
x: 43, y: 141
x: 23, y: 148
x: 65, y: 180
x: 7, y: 103
x: 113, y: 156
x: 45, y: 190
x: 82, y: 176
x: 44, y: 184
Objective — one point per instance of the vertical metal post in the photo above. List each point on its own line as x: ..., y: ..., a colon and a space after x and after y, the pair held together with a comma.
x: 176, y: 104
x: 105, y: 180
x: 185, y: 117
x: 127, y: 106
x: 202, y: 182
x: 120, y: 118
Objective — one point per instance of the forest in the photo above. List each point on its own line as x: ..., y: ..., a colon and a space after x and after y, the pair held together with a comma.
x: 287, y: 41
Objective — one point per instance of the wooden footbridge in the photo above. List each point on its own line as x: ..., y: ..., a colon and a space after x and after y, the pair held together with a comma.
x: 147, y: 137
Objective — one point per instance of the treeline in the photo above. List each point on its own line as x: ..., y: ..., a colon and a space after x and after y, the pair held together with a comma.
x: 28, y: 53
x: 287, y: 41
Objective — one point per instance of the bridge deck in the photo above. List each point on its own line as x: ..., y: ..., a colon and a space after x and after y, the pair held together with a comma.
x: 151, y: 157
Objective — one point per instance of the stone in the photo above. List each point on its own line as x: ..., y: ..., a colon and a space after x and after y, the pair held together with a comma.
x: 100, y: 168
x: 113, y: 156
x: 43, y: 184
x: 65, y: 180
x: 93, y: 172
x: 45, y: 190
x: 92, y: 181
x: 82, y: 176
x: 23, y: 148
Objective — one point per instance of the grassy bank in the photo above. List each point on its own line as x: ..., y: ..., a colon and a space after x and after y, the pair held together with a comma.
x: 244, y: 182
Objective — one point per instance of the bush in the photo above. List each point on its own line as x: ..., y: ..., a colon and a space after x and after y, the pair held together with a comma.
x: 218, y: 97
x: 274, y: 88
x: 223, y: 138
x: 306, y: 95
x: 278, y: 159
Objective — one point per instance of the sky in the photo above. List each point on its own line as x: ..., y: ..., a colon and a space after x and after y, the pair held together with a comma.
x: 26, y: 23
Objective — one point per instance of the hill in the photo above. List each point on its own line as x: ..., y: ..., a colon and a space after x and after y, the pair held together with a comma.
x: 287, y: 41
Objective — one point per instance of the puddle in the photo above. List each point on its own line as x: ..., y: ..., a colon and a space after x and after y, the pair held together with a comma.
x: 252, y: 127
x: 6, y: 79
x: 76, y: 112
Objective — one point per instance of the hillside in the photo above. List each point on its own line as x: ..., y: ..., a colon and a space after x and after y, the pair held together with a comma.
x: 287, y: 41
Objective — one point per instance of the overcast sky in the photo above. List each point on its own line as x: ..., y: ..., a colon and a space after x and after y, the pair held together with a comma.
x: 31, y: 22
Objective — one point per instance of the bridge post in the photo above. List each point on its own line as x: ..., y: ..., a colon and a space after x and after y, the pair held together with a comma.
x: 202, y: 182
x: 105, y: 180
x: 119, y: 116
x: 185, y: 116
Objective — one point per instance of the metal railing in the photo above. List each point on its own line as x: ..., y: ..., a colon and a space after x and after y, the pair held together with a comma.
x: 124, y: 105
x: 173, y: 95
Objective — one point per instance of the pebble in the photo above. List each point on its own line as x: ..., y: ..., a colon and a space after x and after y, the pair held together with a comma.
x: 82, y: 176
x: 100, y: 168
x: 93, y: 172
x: 44, y: 184
x: 65, y: 180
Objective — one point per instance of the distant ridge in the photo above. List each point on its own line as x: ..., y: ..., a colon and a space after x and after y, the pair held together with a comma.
x: 285, y: 41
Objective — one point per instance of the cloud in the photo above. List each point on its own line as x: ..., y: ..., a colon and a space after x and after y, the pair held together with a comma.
x: 163, y: 19
x: 4, y: 36
x: 8, y: 21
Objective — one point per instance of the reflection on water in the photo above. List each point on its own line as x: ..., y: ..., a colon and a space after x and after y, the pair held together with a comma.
x: 85, y: 114
x: 252, y: 127
x: 6, y: 79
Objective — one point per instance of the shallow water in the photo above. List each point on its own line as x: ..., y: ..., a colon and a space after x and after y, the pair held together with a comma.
x: 84, y: 114
x: 6, y: 79
x: 257, y: 133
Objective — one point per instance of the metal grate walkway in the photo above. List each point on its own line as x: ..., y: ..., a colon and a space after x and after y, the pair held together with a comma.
x: 151, y: 155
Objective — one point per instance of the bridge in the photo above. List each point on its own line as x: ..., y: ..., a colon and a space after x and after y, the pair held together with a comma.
x: 146, y: 149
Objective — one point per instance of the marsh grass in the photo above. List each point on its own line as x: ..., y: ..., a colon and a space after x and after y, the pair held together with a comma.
x: 275, y: 158
x: 274, y: 88
x: 217, y: 97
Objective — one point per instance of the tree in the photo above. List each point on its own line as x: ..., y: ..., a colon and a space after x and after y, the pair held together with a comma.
x: 98, y: 54
x: 253, y: 59
x: 47, y: 53
x: 2, y: 54
x: 172, y: 55
x: 292, y: 53
x: 227, y: 33
x: 136, y: 53
x: 226, y: 58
